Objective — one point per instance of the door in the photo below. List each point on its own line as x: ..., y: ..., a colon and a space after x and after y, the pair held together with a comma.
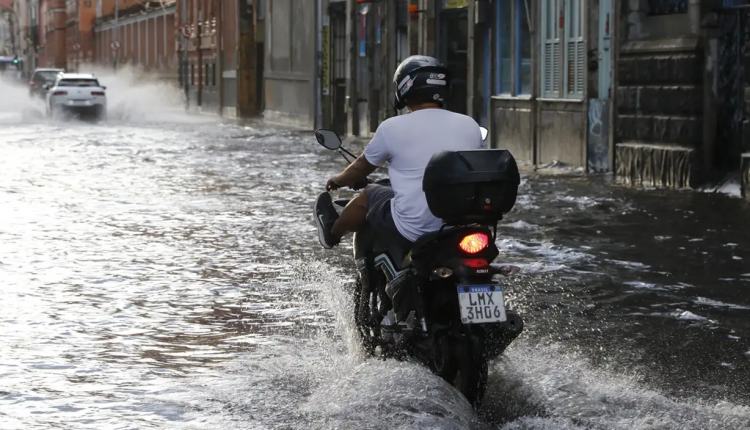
x: 454, y: 49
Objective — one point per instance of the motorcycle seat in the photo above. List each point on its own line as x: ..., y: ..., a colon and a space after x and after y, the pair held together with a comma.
x: 427, y: 239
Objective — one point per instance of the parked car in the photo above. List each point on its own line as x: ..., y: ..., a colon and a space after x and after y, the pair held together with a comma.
x: 39, y: 79
x: 77, y: 93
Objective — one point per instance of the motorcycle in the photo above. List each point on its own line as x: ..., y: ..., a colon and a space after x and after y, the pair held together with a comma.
x: 438, y: 302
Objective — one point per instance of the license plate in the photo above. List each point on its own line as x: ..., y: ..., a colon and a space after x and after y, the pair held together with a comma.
x: 481, y: 304
x: 80, y: 102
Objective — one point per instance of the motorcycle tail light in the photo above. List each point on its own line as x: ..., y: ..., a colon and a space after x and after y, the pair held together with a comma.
x: 34, y: 85
x: 60, y: 93
x: 474, y: 243
x: 97, y: 93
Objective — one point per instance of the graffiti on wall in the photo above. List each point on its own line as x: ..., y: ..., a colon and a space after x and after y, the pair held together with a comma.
x: 597, y: 145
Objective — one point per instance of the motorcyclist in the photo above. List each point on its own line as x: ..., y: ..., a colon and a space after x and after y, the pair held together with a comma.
x: 406, y: 142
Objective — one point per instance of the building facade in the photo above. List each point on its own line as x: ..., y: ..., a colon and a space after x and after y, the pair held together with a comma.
x: 79, y: 36
x: 647, y: 90
x: 220, y: 55
x: 136, y: 34
x: 541, y: 79
x: 53, y: 18
x: 652, y: 91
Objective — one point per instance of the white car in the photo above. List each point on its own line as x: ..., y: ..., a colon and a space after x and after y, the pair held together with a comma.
x: 78, y: 94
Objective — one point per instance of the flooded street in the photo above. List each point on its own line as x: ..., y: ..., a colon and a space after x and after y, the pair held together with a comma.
x: 163, y: 272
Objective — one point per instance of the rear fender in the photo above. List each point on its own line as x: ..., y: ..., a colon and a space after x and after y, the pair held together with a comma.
x: 445, y: 252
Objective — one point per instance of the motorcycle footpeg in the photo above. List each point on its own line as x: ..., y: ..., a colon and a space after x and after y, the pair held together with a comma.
x: 390, y: 325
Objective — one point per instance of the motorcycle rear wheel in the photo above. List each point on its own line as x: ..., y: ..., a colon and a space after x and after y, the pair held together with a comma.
x: 467, y: 375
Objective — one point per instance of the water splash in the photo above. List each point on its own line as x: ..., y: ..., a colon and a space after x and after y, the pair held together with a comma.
x: 539, y: 386
x: 15, y: 103
x: 133, y: 96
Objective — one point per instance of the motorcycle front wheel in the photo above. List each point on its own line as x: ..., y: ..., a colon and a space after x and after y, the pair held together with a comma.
x: 367, y: 326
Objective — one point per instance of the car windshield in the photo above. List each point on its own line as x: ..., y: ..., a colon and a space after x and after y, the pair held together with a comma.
x: 78, y: 83
x: 48, y: 76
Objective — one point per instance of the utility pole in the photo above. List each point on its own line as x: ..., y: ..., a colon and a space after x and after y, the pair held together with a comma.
x: 199, y: 53
x: 247, y: 73
x: 31, y: 39
x: 117, y: 30
x: 352, y: 93
x: 185, y: 57
x: 219, y: 53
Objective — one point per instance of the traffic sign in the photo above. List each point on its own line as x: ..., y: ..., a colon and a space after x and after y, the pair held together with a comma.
x: 186, y: 31
x: 76, y: 47
x: 115, y: 45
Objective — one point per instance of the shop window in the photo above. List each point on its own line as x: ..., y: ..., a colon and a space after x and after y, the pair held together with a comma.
x: 563, y: 56
x: 513, y: 61
x: 524, y: 69
x: 503, y: 18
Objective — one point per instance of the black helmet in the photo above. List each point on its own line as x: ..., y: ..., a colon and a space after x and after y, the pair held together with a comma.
x: 421, y: 79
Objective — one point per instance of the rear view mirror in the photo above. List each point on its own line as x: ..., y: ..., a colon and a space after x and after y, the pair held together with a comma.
x: 484, y: 132
x: 103, y: 87
x: 328, y: 138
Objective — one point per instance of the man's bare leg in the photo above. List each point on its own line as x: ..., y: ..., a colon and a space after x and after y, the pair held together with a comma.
x: 352, y: 218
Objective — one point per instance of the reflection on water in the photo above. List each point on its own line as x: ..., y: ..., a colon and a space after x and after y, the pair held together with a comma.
x: 167, y: 276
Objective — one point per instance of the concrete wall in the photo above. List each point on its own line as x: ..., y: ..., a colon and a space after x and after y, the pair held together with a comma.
x: 659, y: 130
x: 560, y: 135
x: 290, y: 63
x: 512, y: 127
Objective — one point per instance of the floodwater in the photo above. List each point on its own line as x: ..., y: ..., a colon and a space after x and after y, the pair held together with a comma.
x: 162, y: 271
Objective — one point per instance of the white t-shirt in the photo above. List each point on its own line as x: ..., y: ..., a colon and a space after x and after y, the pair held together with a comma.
x: 408, y: 142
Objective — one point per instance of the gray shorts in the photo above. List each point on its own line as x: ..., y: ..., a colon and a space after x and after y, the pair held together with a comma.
x: 379, y: 213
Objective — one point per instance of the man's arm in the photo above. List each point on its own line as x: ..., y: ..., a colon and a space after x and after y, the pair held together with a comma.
x: 375, y: 155
x: 356, y: 172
